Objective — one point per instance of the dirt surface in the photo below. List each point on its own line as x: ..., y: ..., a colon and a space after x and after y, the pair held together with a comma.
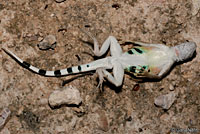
x: 125, y: 110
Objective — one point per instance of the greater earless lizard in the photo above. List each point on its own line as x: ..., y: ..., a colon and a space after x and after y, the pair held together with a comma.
x: 143, y: 60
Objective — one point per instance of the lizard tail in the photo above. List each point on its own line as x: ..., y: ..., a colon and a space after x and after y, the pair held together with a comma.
x: 62, y: 72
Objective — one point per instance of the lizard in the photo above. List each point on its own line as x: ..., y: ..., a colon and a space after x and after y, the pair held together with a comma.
x: 143, y: 60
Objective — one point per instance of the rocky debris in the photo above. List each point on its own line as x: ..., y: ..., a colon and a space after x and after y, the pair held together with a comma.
x: 59, y: 1
x: 165, y: 101
x: 67, y: 96
x: 49, y: 42
x: 4, y: 116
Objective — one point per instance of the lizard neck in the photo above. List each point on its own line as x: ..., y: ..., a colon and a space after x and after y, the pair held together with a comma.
x: 176, y: 54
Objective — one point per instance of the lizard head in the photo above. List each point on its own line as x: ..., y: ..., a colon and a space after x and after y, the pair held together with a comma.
x: 185, y: 51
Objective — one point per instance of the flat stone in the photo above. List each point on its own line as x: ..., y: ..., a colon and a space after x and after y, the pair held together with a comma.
x: 49, y: 42
x: 67, y: 95
x: 165, y: 101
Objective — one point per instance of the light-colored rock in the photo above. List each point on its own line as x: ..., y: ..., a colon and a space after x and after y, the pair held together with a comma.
x: 171, y: 87
x: 68, y: 95
x: 165, y: 101
x: 49, y: 42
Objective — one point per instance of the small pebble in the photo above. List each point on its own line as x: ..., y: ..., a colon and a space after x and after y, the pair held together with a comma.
x: 165, y: 101
x: 171, y: 87
x: 53, y: 15
x: 49, y: 42
x: 165, y: 117
x: 60, y: 129
x: 68, y: 96
x: 20, y: 111
x: 33, y: 38
x: 40, y: 39
x: 59, y: 1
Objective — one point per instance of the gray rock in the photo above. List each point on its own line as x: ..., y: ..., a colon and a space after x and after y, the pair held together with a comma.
x: 49, y: 42
x: 165, y: 101
x: 68, y: 95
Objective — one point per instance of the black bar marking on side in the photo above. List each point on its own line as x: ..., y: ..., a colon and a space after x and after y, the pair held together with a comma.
x: 42, y: 72
x: 26, y: 65
x: 138, y: 50
x: 130, y: 52
x: 132, y: 69
x: 69, y: 70
x: 57, y: 73
x: 79, y: 68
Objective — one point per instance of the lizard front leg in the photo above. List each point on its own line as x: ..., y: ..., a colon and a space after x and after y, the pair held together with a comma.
x: 151, y: 73
x: 161, y: 46
x: 148, y: 45
x: 165, y: 68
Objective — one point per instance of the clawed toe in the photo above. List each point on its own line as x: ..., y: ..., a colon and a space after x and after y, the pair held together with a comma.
x: 101, y: 77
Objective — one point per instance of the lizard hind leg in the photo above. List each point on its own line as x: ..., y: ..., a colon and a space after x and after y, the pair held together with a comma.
x: 111, y: 42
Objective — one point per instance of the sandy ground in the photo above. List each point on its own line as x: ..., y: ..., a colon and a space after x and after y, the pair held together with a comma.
x: 23, y: 23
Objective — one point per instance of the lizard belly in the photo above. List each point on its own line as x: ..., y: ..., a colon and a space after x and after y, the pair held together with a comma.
x: 132, y: 60
x: 156, y: 60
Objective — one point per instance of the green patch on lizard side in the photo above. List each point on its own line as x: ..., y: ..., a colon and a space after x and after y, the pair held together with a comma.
x: 137, y: 69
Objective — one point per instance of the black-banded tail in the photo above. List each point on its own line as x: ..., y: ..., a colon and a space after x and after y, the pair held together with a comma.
x: 62, y: 72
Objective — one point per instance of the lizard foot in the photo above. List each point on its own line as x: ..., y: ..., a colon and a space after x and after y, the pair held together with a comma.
x: 101, y: 77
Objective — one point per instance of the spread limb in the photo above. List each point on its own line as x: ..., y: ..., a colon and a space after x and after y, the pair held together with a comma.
x: 111, y: 42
